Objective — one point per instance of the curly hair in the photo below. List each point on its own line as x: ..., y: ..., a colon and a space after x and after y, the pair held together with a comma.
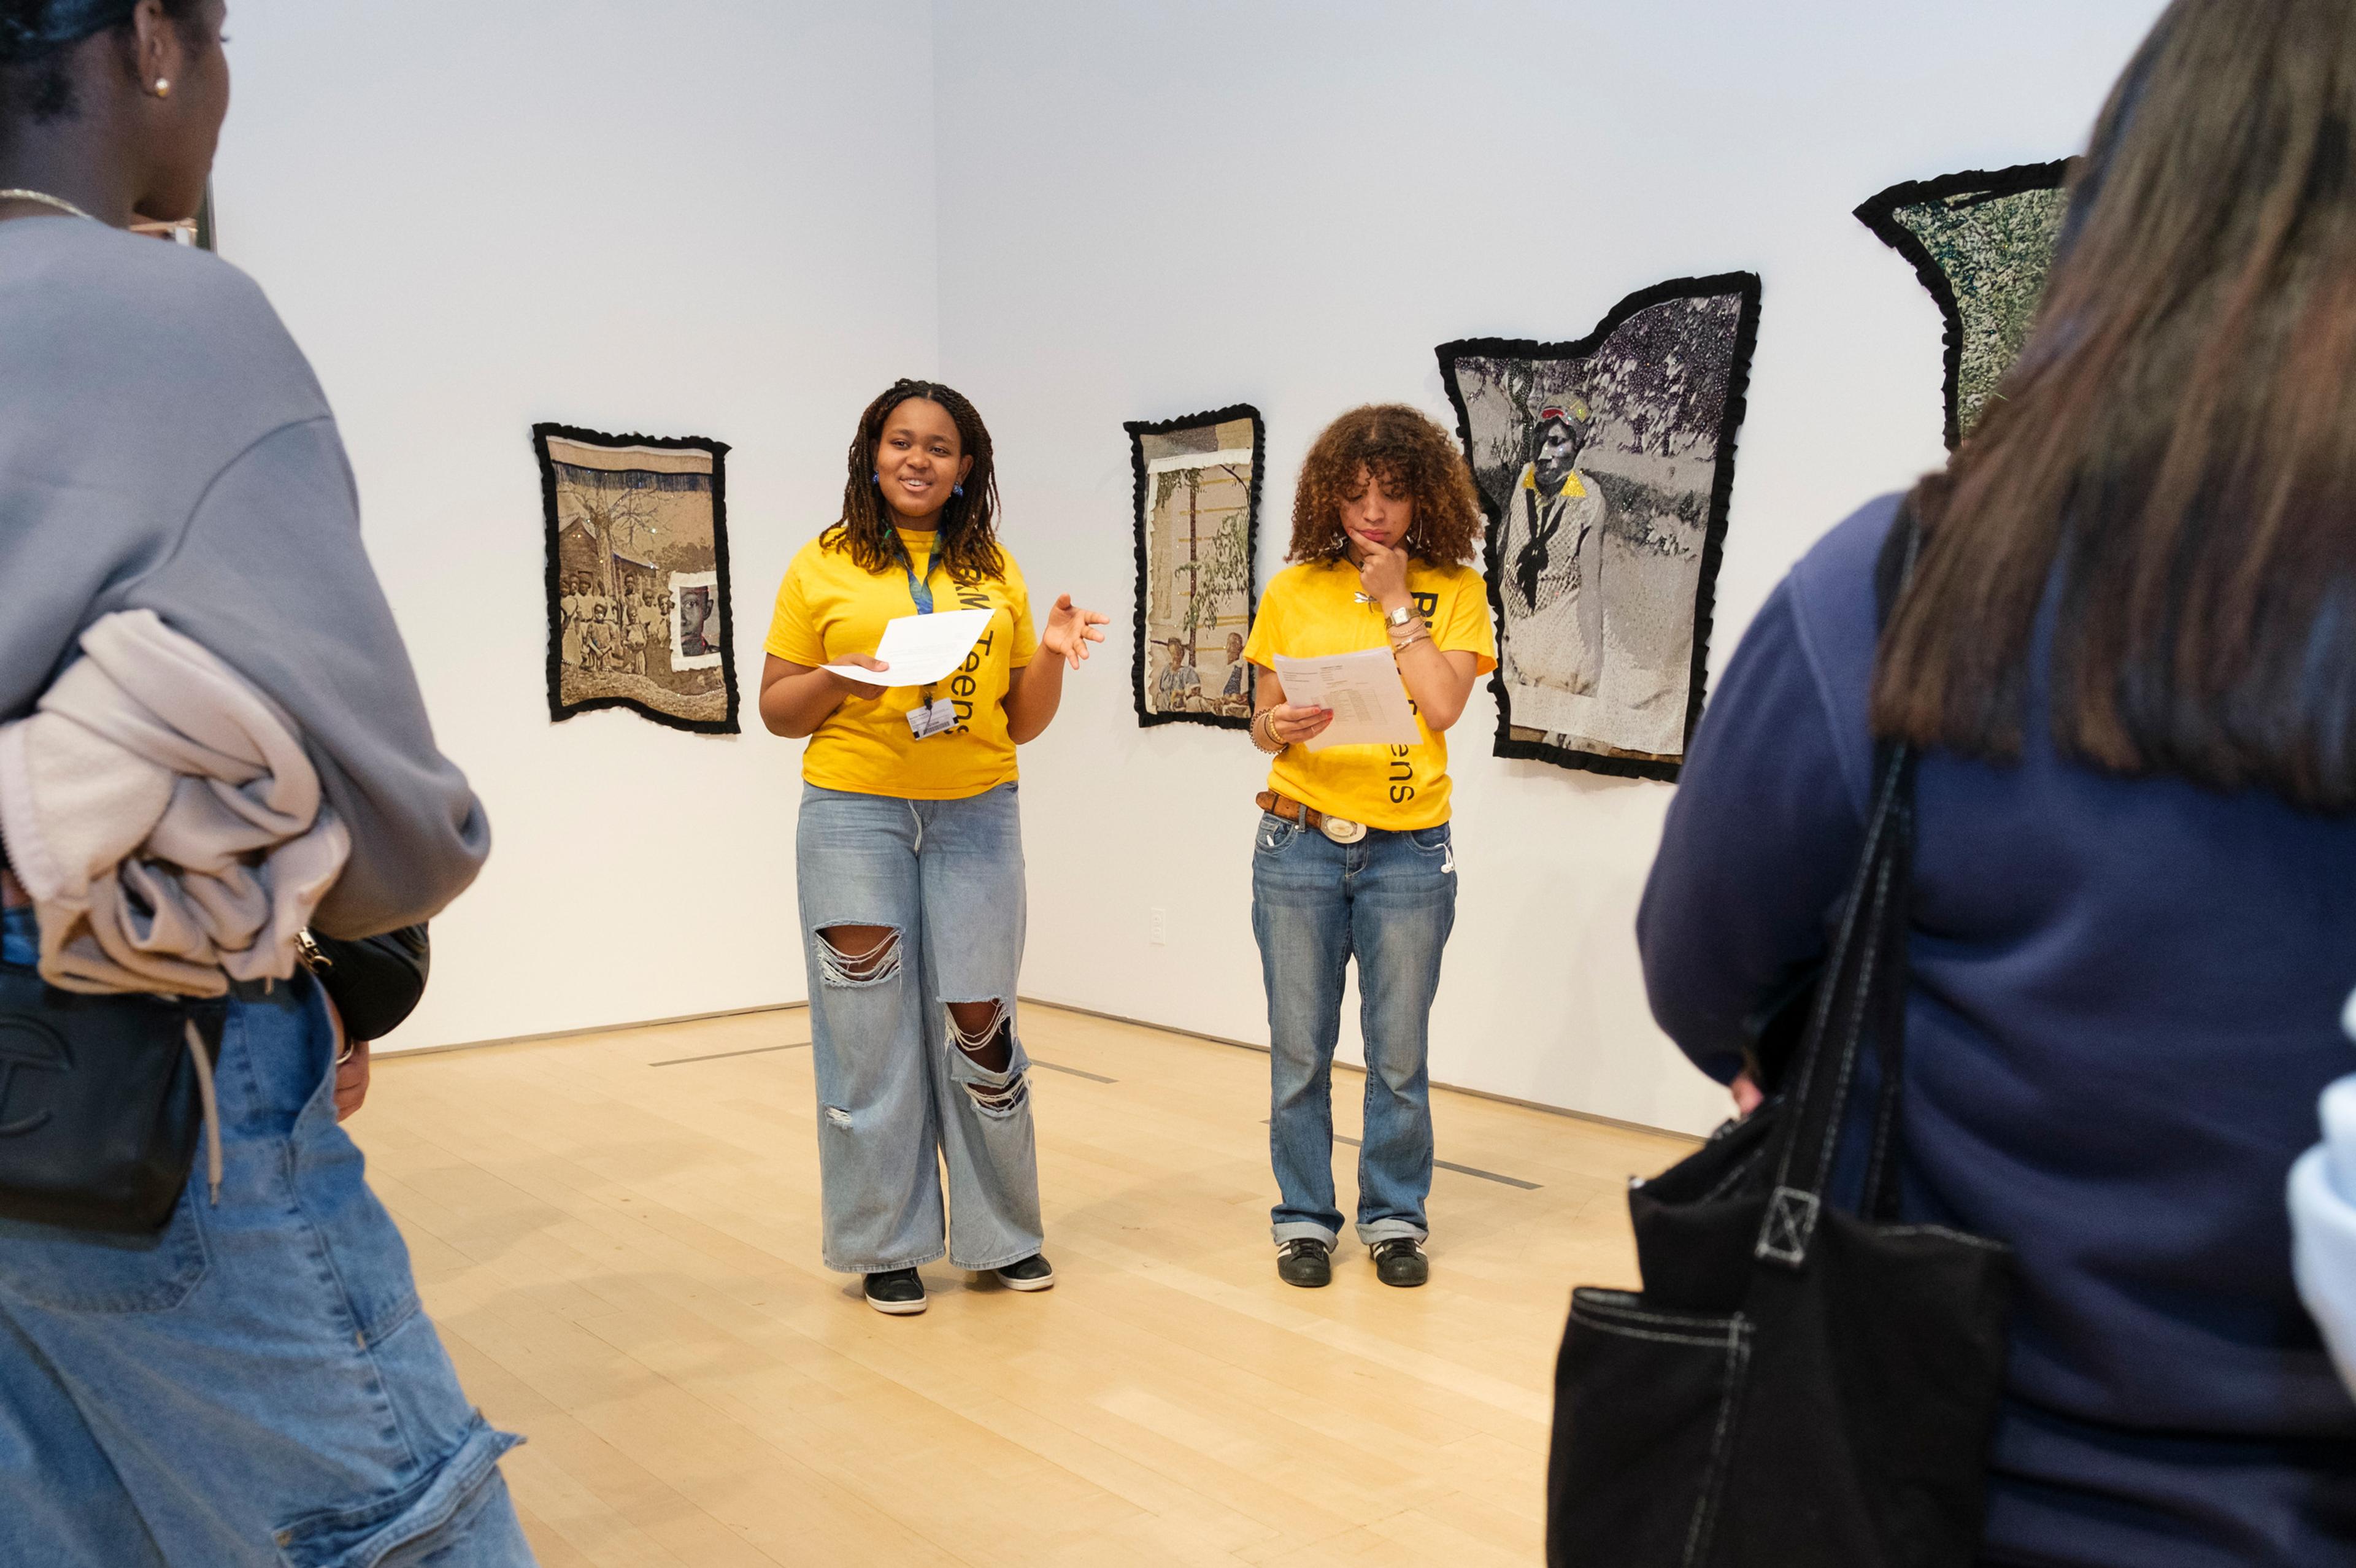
x: 1407, y: 452
x: 967, y: 543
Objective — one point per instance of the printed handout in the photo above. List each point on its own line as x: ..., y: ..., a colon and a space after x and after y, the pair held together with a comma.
x: 923, y: 650
x: 1364, y: 689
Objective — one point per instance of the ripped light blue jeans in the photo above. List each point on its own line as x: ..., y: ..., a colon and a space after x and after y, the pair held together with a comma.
x: 898, y: 1097
x: 257, y: 1388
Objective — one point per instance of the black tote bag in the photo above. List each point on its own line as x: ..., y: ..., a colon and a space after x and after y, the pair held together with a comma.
x: 1795, y: 1386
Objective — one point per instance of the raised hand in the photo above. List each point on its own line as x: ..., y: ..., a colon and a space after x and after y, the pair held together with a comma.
x: 1382, y: 574
x: 1069, y: 632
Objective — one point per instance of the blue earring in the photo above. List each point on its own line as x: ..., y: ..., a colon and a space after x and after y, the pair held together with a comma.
x: 876, y: 477
x: 957, y: 489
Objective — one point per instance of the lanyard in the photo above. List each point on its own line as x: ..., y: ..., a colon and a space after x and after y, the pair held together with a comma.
x: 922, y: 593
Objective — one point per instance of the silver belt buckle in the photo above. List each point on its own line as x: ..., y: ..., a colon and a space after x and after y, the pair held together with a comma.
x: 1343, y: 832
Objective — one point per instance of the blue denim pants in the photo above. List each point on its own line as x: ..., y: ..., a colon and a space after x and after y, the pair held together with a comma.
x: 1389, y: 900
x: 898, y: 1100
x: 257, y: 1388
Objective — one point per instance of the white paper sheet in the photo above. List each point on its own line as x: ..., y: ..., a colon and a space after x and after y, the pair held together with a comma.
x: 923, y: 650
x: 1364, y: 689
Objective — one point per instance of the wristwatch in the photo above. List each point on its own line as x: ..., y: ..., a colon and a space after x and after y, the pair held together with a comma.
x: 1400, y: 617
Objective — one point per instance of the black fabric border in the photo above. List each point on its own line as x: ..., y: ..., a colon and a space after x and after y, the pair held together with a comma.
x: 1138, y: 430
x: 1880, y: 213
x: 558, y: 710
x: 1748, y: 287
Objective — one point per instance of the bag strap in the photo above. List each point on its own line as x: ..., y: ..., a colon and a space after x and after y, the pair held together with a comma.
x: 1862, y: 993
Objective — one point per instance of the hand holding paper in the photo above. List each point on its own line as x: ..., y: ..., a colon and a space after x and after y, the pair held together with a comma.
x: 922, y: 650
x: 1364, y: 691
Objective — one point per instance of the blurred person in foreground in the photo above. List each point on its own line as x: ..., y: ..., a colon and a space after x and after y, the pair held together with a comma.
x: 2127, y: 655
x: 257, y: 1386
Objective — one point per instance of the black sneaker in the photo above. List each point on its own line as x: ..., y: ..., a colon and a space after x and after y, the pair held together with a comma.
x: 1034, y: 1273
x: 1400, y: 1262
x: 1305, y: 1261
x: 896, y: 1291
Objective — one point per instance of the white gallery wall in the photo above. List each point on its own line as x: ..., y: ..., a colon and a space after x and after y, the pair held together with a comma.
x: 739, y: 219
x: 1149, y: 211
x: 706, y: 218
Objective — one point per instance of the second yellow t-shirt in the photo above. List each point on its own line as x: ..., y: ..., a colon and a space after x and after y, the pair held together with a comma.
x: 827, y: 606
x: 1313, y: 610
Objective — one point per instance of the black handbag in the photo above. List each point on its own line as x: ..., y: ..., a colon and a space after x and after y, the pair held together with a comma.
x: 376, y: 982
x: 1795, y: 1386
x: 102, y: 1101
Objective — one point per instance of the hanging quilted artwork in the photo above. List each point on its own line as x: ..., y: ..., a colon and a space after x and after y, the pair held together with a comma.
x: 1982, y: 243
x: 1198, y: 532
x: 1605, y: 466
x: 638, y: 576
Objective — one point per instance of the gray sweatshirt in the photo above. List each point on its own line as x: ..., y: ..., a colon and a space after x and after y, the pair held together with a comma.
x: 165, y: 446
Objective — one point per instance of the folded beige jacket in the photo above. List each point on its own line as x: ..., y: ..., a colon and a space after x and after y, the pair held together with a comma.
x: 163, y: 817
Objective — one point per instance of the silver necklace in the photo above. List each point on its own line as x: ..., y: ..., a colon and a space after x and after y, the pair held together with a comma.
x: 45, y: 199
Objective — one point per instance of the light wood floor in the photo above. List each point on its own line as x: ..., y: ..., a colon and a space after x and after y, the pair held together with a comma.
x: 624, y: 1260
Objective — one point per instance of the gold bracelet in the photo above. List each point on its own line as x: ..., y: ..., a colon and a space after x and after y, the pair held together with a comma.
x: 1421, y: 633
x: 1274, y: 748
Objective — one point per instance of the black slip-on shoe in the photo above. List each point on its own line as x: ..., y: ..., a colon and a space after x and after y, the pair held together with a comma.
x: 1400, y: 1262
x: 896, y: 1291
x: 1305, y: 1262
x: 1034, y: 1273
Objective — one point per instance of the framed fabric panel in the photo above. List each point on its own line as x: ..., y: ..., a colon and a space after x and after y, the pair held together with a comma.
x: 639, y: 611
x: 1983, y: 244
x: 1606, y: 466
x: 1197, y: 538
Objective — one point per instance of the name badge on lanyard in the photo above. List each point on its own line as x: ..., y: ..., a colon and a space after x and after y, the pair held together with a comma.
x: 931, y: 719
x: 928, y: 718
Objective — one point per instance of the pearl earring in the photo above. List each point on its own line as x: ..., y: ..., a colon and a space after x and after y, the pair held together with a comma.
x: 163, y: 86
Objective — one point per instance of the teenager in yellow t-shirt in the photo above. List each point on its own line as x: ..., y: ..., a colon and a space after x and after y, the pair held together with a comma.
x: 909, y: 854
x: 1353, y: 855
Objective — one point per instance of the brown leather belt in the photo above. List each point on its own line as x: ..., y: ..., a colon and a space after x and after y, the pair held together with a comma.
x: 1283, y: 808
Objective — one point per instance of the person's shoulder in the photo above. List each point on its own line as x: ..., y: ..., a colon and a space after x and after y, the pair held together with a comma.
x: 821, y: 553
x: 1833, y: 584
x: 107, y: 289
x: 1298, y: 578
x: 1010, y: 570
x: 1824, y: 613
x: 92, y: 261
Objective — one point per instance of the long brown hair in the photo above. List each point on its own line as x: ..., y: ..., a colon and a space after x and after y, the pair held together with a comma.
x: 2171, y: 465
x: 1407, y: 452
x: 967, y: 527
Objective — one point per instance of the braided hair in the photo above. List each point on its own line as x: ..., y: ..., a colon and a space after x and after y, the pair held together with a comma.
x: 36, y: 37
x: 968, y: 539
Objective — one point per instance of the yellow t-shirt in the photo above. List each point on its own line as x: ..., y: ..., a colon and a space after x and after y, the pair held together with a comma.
x: 828, y: 607
x: 1310, y: 611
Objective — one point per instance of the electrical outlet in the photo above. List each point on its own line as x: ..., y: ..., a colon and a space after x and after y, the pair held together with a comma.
x: 1161, y: 925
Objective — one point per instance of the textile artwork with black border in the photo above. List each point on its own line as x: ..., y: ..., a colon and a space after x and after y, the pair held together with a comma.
x: 1199, y: 479
x: 1606, y: 467
x: 1982, y: 243
x: 639, y: 612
